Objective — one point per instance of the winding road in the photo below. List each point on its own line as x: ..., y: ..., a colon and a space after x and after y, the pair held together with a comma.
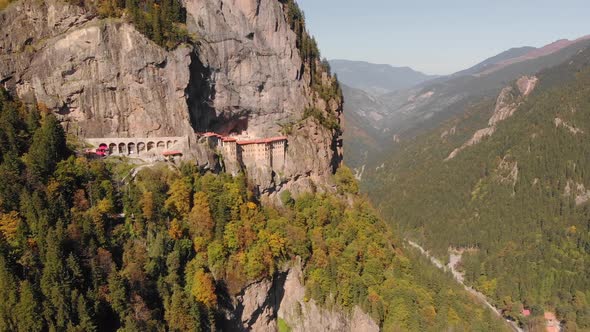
x: 454, y: 259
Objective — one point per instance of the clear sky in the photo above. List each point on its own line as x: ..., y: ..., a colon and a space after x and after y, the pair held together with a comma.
x: 439, y: 36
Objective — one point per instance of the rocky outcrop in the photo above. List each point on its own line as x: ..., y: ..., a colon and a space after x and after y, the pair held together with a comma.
x: 578, y: 190
x: 102, y: 77
x: 560, y: 123
x: 306, y: 315
x: 261, y: 304
x: 507, y: 103
x: 507, y: 172
x: 241, y: 73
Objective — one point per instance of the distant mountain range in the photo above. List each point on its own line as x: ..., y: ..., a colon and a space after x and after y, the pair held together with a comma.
x: 427, y: 101
x: 376, y: 79
x: 490, y: 62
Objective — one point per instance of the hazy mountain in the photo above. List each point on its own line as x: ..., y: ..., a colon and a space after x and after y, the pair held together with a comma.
x: 424, y: 105
x: 433, y: 102
x: 375, y: 78
x: 363, y: 114
x: 487, y: 63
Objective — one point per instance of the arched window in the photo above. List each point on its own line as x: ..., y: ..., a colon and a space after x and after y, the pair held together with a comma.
x: 112, y: 148
x: 168, y: 144
x: 161, y: 145
x: 140, y: 147
x: 122, y: 148
x: 150, y: 146
x: 131, y: 148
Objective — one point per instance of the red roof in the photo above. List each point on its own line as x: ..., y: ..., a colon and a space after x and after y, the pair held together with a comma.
x: 172, y: 153
x: 526, y: 312
x: 245, y: 142
x: 263, y: 140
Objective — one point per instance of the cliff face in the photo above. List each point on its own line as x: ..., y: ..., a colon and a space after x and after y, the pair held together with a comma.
x: 508, y: 101
x: 248, y: 77
x: 262, y: 304
x: 242, y: 73
x: 102, y: 77
x: 252, y: 63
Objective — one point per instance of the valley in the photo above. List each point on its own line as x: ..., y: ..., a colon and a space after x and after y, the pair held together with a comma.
x: 402, y: 113
x: 504, y: 174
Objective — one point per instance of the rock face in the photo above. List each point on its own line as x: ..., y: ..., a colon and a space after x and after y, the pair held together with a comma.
x: 102, y: 77
x: 262, y: 303
x: 249, y: 77
x: 253, y: 64
x: 507, y: 103
x: 242, y: 74
x: 578, y: 190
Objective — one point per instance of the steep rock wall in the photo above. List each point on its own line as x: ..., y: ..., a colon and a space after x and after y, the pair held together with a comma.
x: 242, y: 73
x: 102, y: 77
x: 256, y: 82
x: 261, y: 304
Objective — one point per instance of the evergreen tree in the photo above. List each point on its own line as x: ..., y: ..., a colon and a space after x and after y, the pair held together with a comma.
x: 47, y: 149
x: 28, y: 309
x: 8, y: 293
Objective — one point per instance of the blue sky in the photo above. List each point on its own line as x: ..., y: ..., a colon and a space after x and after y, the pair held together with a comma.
x: 439, y: 36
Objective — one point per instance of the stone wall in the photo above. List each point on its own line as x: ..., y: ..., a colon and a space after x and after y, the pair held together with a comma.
x: 141, y: 146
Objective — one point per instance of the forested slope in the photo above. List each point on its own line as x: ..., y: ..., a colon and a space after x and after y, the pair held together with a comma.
x: 83, y: 250
x: 520, y: 198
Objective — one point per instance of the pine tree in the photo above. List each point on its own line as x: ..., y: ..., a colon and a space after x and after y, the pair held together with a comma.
x: 8, y: 287
x: 28, y: 309
x: 47, y: 149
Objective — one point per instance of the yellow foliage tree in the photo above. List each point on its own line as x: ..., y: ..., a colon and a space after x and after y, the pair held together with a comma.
x: 452, y: 317
x: 9, y: 224
x: 200, y: 221
x: 179, y: 198
x: 204, y: 289
x: 147, y: 205
x: 105, y: 206
x: 175, y: 230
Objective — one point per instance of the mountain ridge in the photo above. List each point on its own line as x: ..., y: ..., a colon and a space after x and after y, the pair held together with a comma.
x: 432, y: 102
x: 376, y: 78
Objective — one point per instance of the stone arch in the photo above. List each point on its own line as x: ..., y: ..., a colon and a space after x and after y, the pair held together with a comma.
x: 112, y: 148
x: 150, y: 146
x: 140, y: 147
x: 131, y: 148
x: 161, y: 145
x: 175, y: 141
x: 168, y: 144
x: 122, y: 148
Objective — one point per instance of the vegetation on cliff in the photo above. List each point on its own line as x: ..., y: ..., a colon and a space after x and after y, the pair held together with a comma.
x: 323, y: 83
x: 162, y: 21
x: 520, y: 197
x: 82, y: 250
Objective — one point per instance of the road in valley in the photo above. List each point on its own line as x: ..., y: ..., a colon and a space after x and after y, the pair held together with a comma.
x: 454, y: 259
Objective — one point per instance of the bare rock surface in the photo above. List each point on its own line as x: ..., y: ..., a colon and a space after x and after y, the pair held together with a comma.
x: 508, y: 101
x: 261, y: 304
x: 560, y: 123
x: 242, y: 73
x: 578, y: 190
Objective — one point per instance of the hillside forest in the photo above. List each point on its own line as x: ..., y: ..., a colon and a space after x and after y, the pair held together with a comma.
x: 518, y: 200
